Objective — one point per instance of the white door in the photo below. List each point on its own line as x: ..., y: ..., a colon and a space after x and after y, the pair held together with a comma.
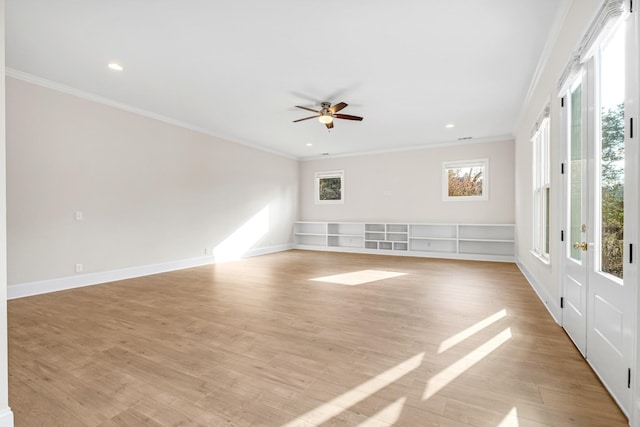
x: 574, y: 315
x: 610, y: 299
x: 598, y: 303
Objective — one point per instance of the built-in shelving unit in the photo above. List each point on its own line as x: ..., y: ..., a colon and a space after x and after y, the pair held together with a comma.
x: 492, y: 242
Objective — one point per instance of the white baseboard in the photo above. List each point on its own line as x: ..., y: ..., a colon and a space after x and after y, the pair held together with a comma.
x: 551, y: 305
x: 269, y: 250
x: 21, y: 290
x: 6, y: 417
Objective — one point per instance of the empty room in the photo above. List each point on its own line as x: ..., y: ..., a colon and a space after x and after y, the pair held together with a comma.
x: 294, y: 213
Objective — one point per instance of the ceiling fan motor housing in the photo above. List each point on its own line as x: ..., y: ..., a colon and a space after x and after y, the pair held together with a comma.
x: 325, y: 109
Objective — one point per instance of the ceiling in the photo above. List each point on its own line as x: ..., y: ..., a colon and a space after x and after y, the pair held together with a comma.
x: 237, y: 69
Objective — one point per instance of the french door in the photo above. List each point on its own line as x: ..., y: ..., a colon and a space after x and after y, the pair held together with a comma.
x: 598, y: 310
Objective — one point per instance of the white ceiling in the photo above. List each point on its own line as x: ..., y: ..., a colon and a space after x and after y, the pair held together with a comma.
x: 236, y: 69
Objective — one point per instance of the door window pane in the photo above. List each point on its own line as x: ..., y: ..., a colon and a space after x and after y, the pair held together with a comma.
x: 575, y: 210
x: 611, y: 159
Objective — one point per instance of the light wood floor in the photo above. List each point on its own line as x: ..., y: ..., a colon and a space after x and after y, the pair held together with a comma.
x: 257, y: 342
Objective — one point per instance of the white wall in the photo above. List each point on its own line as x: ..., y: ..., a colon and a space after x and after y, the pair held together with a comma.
x: 406, y: 186
x: 150, y: 192
x: 547, y: 277
x: 6, y: 416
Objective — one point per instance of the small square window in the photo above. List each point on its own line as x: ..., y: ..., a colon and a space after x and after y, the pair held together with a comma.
x: 329, y: 187
x: 465, y: 180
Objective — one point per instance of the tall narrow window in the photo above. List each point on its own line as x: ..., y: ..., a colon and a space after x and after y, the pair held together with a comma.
x: 541, y: 190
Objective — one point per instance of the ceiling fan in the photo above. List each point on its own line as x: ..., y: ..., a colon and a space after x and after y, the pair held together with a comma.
x: 327, y: 113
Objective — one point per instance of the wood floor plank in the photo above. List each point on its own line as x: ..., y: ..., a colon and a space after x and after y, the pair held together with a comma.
x: 131, y: 418
x: 33, y: 408
x: 267, y: 341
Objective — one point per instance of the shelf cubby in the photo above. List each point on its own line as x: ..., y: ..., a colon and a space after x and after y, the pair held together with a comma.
x: 319, y: 228
x: 433, y: 245
x: 434, y: 231
x: 374, y: 227
x: 486, y: 232
x: 397, y: 237
x: 345, y: 241
x: 373, y: 235
x: 346, y: 229
x: 400, y: 246
x: 397, y: 228
x: 501, y: 248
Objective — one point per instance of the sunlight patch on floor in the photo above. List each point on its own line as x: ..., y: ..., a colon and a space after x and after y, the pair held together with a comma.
x: 388, y: 415
x: 242, y: 240
x: 461, y: 336
x: 358, y: 277
x: 336, y: 406
x: 453, y: 371
x: 511, y: 419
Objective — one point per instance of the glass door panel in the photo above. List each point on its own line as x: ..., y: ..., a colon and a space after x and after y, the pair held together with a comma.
x: 611, y: 155
x: 575, y: 173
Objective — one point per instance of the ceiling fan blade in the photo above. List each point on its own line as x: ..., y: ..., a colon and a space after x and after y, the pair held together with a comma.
x: 308, y: 109
x: 339, y: 106
x: 347, y: 117
x: 329, y: 125
x: 306, y: 118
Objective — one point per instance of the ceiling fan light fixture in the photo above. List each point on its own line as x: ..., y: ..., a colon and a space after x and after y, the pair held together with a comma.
x: 325, y: 118
x: 115, y: 66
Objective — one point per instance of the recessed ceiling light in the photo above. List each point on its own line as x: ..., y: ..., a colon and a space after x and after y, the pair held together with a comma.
x: 115, y: 66
x: 309, y: 144
x: 450, y: 125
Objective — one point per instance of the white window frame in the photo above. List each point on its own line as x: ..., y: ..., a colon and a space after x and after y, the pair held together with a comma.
x: 324, y: 175
x: 541, y: 186
x: 446, y: 166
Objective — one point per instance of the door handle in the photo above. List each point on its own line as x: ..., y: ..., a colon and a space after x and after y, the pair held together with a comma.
x: 584, y: 246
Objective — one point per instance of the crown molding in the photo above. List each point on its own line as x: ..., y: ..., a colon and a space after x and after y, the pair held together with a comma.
x: 454, y: 143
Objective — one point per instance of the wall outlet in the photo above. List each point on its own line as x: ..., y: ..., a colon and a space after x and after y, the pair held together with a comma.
x: 207, y: 251
x: 79, y: 215
x: 78, y: 268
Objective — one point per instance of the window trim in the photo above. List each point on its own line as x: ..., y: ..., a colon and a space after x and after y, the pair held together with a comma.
x: 328, y: 174
x: 465, y: 163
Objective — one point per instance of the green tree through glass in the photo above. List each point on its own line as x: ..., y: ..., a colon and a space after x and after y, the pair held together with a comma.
x: 612, y: 188
x: 330, y: 188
